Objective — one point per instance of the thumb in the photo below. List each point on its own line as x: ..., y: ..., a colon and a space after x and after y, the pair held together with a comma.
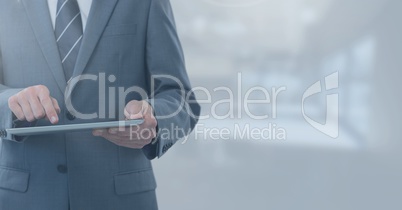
x: 135, y: 116
x: 134, y: 113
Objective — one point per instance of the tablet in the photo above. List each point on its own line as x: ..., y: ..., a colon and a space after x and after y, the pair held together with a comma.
x: 27, y: 131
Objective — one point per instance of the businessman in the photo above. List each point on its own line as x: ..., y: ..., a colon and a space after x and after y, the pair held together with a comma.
x: 82, y: 61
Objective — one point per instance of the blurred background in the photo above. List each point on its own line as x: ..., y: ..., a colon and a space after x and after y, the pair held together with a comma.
x: 290, y: 44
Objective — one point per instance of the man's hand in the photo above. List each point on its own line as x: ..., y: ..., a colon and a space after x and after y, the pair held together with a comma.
x: 135, y: 137
x: 34, y: 103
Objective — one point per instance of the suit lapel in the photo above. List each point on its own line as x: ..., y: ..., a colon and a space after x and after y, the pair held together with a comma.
x: 100, y: 13
x: 101, y: 10
x: 42, y: 26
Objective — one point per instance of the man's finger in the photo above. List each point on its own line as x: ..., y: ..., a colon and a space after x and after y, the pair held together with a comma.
x: 16, y: 108
x: 98, y: 132
x: 50, y: 110
x: 26, y: 109
x: 133, y: 115
x: 135, y: 109
x: 122, y: 131
x: 36, y: 107
x: 56, y: 105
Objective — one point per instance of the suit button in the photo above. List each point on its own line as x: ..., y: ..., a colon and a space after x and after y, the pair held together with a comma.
x: 70, y: 116
x: 62, y: 169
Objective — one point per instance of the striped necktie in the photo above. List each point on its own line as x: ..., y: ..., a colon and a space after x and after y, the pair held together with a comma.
x: 69, y: 32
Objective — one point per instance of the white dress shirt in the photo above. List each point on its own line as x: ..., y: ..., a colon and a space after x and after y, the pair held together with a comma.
x: 85, y: 7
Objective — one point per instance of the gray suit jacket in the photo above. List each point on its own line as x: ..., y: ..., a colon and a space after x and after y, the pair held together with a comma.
x: 133, y: 40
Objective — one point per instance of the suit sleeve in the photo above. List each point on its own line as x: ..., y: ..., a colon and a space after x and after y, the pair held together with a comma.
x: 7, y: 120
x: 175, y: 107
